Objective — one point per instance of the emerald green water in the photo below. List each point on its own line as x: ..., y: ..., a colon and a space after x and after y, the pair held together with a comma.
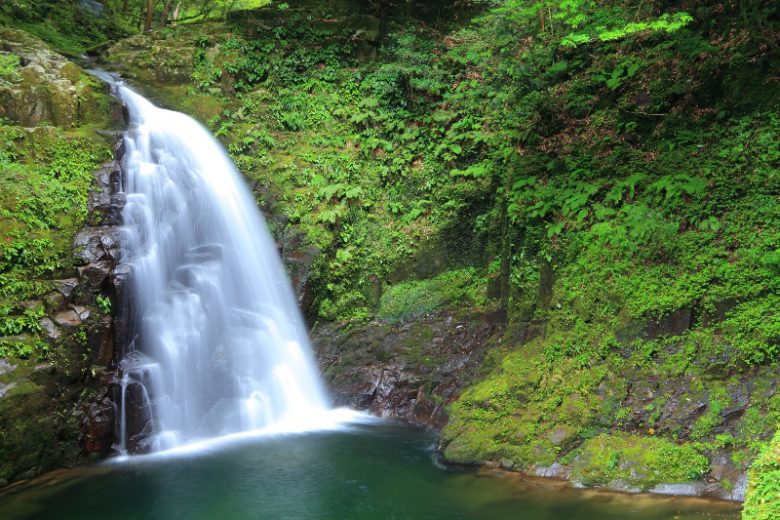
x: 366, y: 472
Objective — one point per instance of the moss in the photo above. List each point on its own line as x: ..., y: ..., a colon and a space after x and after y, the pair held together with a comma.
x: 416, y: 298
x: 640, y: 461
x: 523, y: 411
x: 46, y: 88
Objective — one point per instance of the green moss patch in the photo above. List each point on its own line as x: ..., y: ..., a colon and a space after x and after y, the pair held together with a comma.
x: 640, y: 461
x: 414, y: 298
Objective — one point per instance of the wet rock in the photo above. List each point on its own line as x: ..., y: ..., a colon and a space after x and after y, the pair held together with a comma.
x: 398, y: 370
x: 102, y: 340
x: 6, y: 387
x: 67, y: 286
x: 50, y: 328
x: 97, y: 244
x: 105, y: 204
x: 6, y: 367
x: 623, y: 486
x: 97, y: 250
x: 82, y: 312
x: 726, y: 479
x: 97, y: 420
x: 555, y: 470
x: 68, y: 319
x: 298, y: 255
x: 672, y: 324
x: 54, y: 301
x: 680, y: 411
x: 558, y: 436
x: 689, y: 490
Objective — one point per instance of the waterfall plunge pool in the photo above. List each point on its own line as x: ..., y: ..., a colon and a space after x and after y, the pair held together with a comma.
x: 364, y: 471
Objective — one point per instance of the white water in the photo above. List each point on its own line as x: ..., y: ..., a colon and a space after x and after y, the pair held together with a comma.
x: 219, y: 344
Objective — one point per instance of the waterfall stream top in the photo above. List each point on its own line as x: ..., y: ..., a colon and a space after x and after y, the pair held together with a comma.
x: 219, y: 346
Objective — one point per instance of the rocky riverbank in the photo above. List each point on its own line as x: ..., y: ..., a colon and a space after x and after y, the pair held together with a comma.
x: 424, y: 370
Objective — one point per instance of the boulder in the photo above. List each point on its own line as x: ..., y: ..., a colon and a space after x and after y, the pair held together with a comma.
x: 46, y: 88
x: 97, y: 251
x: 153, y: 60
x: 406, y: 370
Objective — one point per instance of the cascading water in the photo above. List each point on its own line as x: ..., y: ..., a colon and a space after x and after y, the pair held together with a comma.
x: 219, y: 344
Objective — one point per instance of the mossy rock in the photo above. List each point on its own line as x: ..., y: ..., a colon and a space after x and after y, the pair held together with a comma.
x: 47, y: 88
x: 152, y: 60
x: 639, y: 461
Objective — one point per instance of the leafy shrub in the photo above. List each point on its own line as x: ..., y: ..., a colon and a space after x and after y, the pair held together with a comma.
x: 761, y: 501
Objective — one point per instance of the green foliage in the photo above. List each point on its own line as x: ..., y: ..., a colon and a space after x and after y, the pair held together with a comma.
x: 761, y: 502
x: 640, y: 461
x: 9, y: 64
x: 103, y: 303
x: 43, y: 203
x: 415, y: 298
x: 14, y: 348
x: 449, y: 134
x: 13, y: 324
x: 66, y: 26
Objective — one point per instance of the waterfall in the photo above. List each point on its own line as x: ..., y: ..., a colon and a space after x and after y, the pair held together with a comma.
x: 219, y: 343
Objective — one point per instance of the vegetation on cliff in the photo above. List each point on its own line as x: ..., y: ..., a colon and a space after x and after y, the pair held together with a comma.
x: 605, y: 174
x: 762, y: 502
x: 49, y: 149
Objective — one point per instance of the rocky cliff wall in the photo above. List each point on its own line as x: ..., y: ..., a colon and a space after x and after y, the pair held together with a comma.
x: 59, y: 248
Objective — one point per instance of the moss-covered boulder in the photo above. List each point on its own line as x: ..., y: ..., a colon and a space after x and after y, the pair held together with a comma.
x: 39, y: 86
x: 643, y: 462
x: 154, y: 58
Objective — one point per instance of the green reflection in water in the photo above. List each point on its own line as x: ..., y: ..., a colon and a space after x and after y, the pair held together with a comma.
x: 369, y: 472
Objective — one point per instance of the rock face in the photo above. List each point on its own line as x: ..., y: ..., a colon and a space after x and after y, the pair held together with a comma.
x: 408, y: 371
x: 46, y: 87
x: 57, y: 413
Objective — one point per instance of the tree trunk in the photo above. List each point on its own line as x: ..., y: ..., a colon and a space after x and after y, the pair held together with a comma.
x: 166, y: 10
x: 175, y: 14
x: 149, y: 15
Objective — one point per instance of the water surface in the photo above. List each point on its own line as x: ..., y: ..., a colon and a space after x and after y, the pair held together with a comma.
x: 369, y: 471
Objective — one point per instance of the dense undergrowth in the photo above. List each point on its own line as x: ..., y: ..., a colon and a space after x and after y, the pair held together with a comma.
x: 47, y: 175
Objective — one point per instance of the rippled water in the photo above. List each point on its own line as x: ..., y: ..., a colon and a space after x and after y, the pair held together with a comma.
x: 369, y: 471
